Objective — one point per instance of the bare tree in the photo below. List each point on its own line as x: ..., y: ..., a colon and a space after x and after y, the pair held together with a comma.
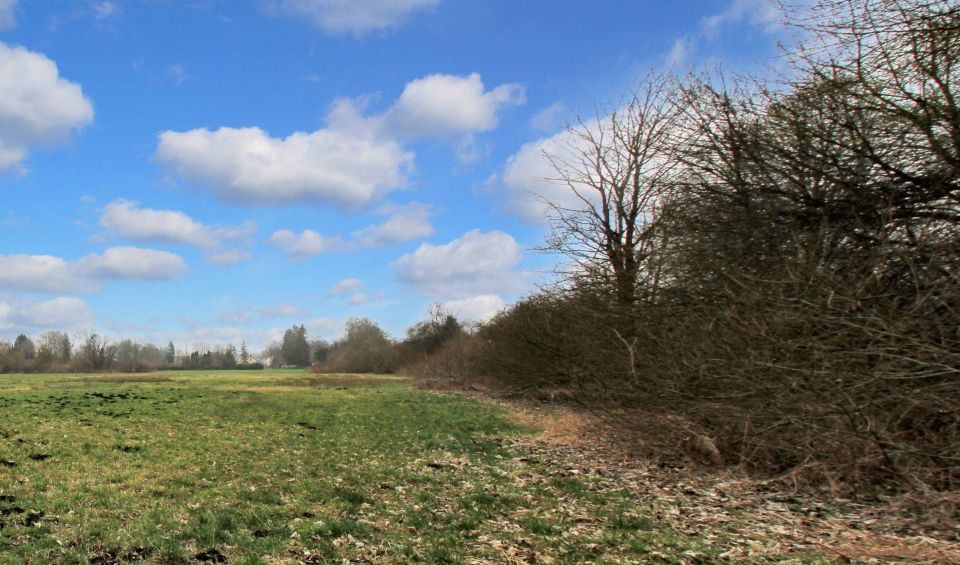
x: 618, y: 165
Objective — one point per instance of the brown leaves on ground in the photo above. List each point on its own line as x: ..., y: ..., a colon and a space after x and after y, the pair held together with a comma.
x: 742, y: 518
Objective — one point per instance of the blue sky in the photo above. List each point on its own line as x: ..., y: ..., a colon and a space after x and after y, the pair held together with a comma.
x: 214, y: 171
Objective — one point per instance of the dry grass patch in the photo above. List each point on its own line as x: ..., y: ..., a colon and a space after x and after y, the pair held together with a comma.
x: 560, y: 425
x: 338, y: 380
x: 127, y: 379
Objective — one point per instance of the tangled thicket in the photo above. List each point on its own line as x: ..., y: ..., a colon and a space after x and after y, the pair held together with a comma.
x: 772, y: 272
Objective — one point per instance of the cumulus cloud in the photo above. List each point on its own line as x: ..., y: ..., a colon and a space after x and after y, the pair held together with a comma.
x: 529, y: 178
x: 45, y: 273
x: 476, y: 263
x: 346, y: 286
x: 352, y: 16
x: 351, y: 162
x: 307, y: 244
x: 132, y: 263
x: 127, y: 219
x: 403, y: 223
x: 8, y: 14
x: 247, y: 165
x: 445, y: 105
x: 37, y: 106
x: 476, y: 308
x: 61, y: 313
x: 42, y: 273
x: 550, y: 119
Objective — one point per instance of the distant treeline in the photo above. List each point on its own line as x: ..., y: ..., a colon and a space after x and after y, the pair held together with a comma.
x: 55, y: 351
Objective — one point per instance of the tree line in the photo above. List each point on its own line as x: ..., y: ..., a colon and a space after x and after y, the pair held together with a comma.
x: 88, y: 351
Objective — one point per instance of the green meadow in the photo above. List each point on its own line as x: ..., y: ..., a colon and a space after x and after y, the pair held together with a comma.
x: 283, y: 467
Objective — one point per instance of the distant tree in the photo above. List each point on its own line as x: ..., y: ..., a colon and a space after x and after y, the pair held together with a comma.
x: 94, y: 353
x: 429, y: 335
x: 319, y: 350
x: 244, y: 354
x: 272, y: 355
x: 227, y: 358
x: 295, y: 350
x: 23, y: 346
x: 365, y: 349
x: 170, y: 354
x: 56, y: 345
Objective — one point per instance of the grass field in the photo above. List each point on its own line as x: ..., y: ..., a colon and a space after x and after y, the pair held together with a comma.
x: 280, y: 467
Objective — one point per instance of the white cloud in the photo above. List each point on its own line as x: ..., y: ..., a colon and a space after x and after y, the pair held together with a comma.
x: 476, y: 308
x: 132, y: 263
x: 353, y: 161
x: 105, y: 10
x: 403, y: 223
x: 444, y: 105
x: 353, y: 16
x: 8, y: 14
x: 281, y: 311
x: 680, y: 53
x: 307, y: 244
x: 61, y: 313
x: 42, y: 273
x: 530, y: 178
x: 346, y: 286
x: 217, y: 335
x: 256, y: 339
x: 246, y: 165
x: 126, y: 219
x: 765, y: 14
x: 477, y: 263
x: 550, y: 119
x: 358, y: 299
x: 45, y: 273
x: 37, y: 106
x: 324, y: 328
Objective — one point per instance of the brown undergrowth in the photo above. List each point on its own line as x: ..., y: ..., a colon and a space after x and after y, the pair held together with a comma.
x: 744, y: 519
